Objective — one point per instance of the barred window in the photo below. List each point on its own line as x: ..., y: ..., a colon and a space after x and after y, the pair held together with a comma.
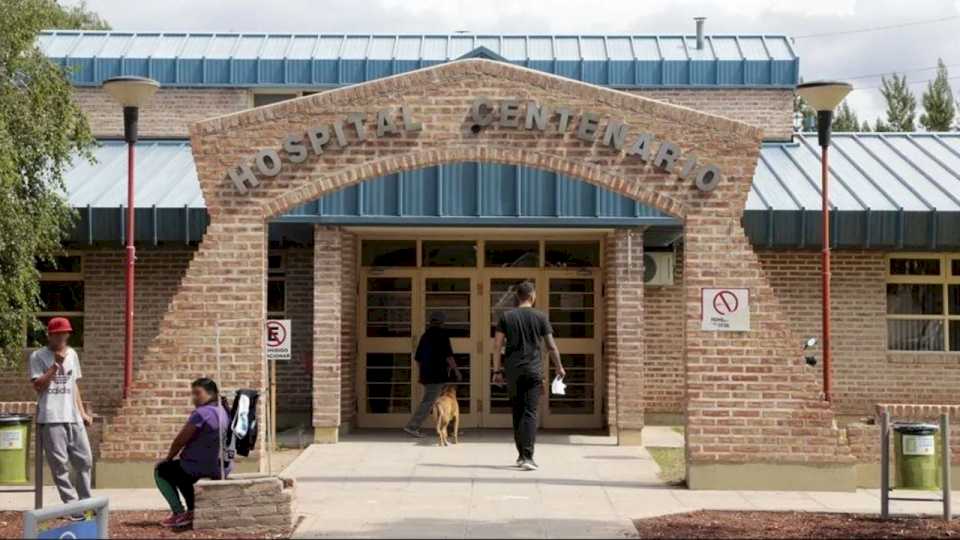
x: 923, y: 303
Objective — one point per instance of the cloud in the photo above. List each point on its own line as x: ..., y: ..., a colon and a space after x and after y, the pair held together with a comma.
x: 834, y: 56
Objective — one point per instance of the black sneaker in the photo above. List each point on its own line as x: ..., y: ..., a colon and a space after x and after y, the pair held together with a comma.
x: 519, y: 461
x: 529, y: 465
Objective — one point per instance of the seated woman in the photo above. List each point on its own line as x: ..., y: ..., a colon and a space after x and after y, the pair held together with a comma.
x: 198, y: 445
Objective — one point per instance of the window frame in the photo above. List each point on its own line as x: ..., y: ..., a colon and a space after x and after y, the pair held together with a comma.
x: 945, y: 280
x: 55, y: 276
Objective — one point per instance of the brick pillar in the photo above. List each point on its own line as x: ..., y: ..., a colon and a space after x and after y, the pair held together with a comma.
x: 327, y: 313
x: 623, y: 339
x: 348, y: 326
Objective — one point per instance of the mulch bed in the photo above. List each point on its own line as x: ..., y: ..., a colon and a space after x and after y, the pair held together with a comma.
x: 716, y: 524
x: 131, y: 524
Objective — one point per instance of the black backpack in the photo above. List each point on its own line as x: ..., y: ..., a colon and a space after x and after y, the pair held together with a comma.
x: 242, y: 433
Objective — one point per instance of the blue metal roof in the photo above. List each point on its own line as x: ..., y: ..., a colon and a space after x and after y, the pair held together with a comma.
x: 317, y: 60
x: 893, y: 190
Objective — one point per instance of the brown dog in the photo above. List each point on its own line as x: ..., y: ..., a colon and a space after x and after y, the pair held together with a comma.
x: 447, y: 410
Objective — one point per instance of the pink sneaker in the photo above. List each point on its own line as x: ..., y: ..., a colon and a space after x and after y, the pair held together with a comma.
x: 176, y: 521
x: 171, y: 519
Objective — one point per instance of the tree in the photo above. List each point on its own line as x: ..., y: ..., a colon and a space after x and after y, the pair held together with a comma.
x: 880, y: 126
x: 77, y: 17
x: 901, y: 103
x: 809, y: 116
x: 938, y: 107
x: 865, y: 126
x: 41, y: 131
x: 845, y: 119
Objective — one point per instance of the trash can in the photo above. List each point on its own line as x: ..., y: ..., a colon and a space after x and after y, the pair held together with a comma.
x: 14, y: 444
x: 916, y: 456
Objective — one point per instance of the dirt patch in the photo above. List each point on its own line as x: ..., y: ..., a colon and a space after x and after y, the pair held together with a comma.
x: 715, y: 524
x: 132, y: 524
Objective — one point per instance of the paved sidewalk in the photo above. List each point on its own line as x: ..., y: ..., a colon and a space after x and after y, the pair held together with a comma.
x: 388, y: 485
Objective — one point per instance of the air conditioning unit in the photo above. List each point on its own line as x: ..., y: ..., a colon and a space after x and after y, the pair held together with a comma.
x: 658, y: 268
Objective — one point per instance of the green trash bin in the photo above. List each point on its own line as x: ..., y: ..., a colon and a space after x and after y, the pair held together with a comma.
x: 14, y: 444
x: 916, y: 456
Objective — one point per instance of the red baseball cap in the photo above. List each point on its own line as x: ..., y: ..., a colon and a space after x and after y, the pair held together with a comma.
x: 59, y: 325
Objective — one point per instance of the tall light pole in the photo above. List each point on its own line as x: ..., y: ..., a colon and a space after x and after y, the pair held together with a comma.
x: 824, y: 97
x: 131, y: 93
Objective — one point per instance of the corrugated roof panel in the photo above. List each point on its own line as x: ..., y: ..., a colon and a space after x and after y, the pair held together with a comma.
x: 672, y: 48
x: 434, y: 47
x: 809, y: 163
x: 355, y: 47
x: 540, y: 48
x: 646, y: 48
x: 929, y: 164
x: 699, y: 54
x: 726, y: 48
x: 249, y: 47
x: 930, y: 191
x: 195, y: 46
x: 143, y: 46
x: 329, y: 47
x: 800, y: 186
x: 169, y: 46
x: 873, y: 173
x: 461, y: 45
x: 89, y: 47
x: 593, y: 48
x: 779, y: 48
x: 221, y: 47
x: 275, y: 47
x: 842, y: 168
x: 619, y: 48
x: 753, y: 48
x: 383, y: 47
x: 491, y: 42
x: 514, y: 48
x: 765, y: 182
x: 567, y: 48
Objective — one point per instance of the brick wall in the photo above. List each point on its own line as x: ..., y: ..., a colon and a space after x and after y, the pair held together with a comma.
x: 174, y: 109
x: 348, y: 328
x: 864, y: 372
x: 169, y: 114
x: 295, y: 377
x: 158, y: 275
x: 663, y: 383
x: 624, y: 336
x: 769, y: 109
x: 327, y: 321
x: 864, y: 438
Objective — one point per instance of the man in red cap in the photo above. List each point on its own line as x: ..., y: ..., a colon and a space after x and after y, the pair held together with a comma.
x: 54, y: 372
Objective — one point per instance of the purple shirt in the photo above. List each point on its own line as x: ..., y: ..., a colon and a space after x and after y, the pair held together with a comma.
x: 199, y: 457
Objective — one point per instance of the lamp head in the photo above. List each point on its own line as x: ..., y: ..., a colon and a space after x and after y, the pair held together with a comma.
x: 131, y: 91
x: 824, y: 95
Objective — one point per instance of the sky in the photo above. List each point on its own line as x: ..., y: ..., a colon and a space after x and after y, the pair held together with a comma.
x: 829, y: 34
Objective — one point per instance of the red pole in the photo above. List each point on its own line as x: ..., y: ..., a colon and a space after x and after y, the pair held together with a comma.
x: 825, y: 263
x: 131, y: 261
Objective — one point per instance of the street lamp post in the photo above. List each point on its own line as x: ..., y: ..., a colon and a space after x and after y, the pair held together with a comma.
x: 131, y: 93
x: 824, y: 97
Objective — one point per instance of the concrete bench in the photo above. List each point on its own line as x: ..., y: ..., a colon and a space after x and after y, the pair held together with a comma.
x: 245, y: 503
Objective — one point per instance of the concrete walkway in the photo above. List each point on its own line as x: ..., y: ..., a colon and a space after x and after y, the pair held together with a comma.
x: 388, y: 485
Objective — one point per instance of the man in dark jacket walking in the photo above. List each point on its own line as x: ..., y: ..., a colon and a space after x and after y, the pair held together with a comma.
x: 437, y: 367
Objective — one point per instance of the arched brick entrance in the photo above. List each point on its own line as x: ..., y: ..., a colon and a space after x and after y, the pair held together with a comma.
x: 751, y: 403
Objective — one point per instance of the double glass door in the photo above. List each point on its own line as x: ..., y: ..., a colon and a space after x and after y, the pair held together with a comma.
x: 396, y: 306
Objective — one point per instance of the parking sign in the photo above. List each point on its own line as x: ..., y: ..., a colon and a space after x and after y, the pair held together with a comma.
x: 278, y: 339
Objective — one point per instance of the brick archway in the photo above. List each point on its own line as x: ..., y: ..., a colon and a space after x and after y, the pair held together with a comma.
x: 751, y: 403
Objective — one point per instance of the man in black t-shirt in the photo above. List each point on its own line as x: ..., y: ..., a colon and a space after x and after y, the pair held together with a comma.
x: 520, y: 334
x: 437, y: 365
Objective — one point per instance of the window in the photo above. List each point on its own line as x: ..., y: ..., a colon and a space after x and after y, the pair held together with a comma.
x: 449, y: 253
x: 385, y: 253
x: 276, y: 287
x: 923, y: 303
x: 512, y: 254
x: 61, y: 295
x: 572, y: 254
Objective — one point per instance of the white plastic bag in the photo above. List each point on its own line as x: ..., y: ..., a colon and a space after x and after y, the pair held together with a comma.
x: 557, y: 387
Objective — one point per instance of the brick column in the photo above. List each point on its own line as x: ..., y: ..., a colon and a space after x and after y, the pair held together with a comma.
x: 348, y: 325
x: 623, y: 339
x: 327, y: 312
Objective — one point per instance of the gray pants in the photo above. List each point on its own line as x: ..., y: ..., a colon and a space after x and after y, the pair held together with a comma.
x: 430, y: 394
x: 65, y: 445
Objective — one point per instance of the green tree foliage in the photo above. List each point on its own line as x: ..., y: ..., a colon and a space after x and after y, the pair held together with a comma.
x: 865, y: 126
x: 845, y: 119
x: 938, y: 107
x: 41, y: 130
x: 76, y: 17
x: 809, y: 121
x: 901, y: 104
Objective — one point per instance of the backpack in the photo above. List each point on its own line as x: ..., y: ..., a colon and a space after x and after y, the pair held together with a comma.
x: 241, y: 436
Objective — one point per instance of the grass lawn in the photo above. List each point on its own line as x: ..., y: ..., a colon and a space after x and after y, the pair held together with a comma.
x: 673, y: 467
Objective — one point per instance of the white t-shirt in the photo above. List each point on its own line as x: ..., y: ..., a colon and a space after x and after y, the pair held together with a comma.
x: 57, y: 404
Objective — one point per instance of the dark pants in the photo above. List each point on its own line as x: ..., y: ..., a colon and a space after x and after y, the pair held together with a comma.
x: 525, y: 389
x: 171, y: 478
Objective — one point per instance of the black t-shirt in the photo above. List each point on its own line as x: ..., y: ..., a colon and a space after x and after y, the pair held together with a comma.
x: 432, y: 352
x: 524, y: 329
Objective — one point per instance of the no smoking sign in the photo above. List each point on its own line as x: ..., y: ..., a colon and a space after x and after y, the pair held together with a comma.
x: 725, y: 310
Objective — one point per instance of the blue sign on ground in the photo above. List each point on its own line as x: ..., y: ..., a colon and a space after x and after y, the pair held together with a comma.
x: 80, y: 529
